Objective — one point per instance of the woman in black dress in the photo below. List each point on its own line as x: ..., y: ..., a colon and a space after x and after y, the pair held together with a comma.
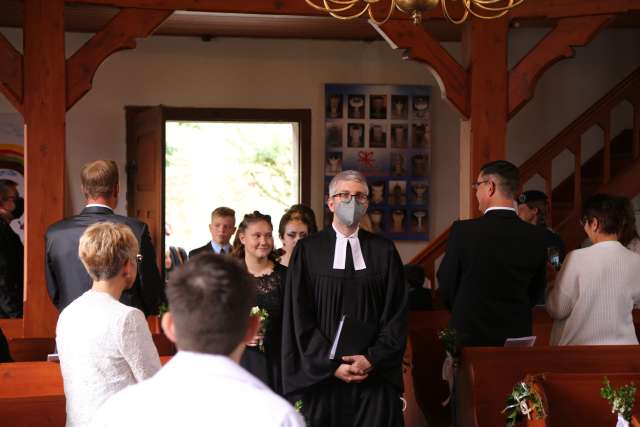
x: 254, y: 245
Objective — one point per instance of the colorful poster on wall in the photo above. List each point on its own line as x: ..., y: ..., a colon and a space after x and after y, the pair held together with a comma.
x: 383, y: 131
x: 12, y: 157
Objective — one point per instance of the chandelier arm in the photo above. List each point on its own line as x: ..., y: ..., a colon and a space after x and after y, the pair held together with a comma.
x: 392, y: 4
x: 485, y: 6
x: 347, y: 17
x: 486, y: 17
x: 328, y: 8
x: 451, y: 18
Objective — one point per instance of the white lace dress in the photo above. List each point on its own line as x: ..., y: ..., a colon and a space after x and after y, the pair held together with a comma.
x: 103, y: 346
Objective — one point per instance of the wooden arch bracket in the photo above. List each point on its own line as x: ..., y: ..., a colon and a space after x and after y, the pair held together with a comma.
x: 421, y: 46
x: 120, y: 33
x: 11, y: 83
x: 558, y: 44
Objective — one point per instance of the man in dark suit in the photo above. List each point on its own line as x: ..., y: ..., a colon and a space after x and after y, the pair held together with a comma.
x: 494, y: 268
x: 66, y: 277
x: 222, y: 227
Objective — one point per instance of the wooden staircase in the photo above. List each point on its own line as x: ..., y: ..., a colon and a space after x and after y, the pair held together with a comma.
x: 613, y: 169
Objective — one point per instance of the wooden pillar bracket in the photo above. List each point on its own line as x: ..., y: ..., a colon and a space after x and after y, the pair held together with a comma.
x: 118, y: 34
x: 555, y: 46
x: 11, y: 80
x: 421, y: 46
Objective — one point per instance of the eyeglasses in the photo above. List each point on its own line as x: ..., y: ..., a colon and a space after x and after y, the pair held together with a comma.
x: 139, y: 258
x: 477, y: 184
x: 346, y: 197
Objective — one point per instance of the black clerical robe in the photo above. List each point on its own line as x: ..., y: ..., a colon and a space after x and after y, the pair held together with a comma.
x: 316, y: 297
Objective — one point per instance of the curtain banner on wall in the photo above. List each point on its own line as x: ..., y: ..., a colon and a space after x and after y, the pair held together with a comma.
x: 12, y: 157
x: 383, y: 131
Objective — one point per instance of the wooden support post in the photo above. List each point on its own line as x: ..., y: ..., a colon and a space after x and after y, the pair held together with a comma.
x: 485, y: 50
x: 44, y: 115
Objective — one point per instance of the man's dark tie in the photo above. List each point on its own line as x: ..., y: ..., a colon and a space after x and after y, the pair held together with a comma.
x: 222, y: 252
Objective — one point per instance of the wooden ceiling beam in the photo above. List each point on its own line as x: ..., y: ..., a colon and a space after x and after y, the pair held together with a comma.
x: 11, y: 80
x: 120, y: 33
x: 572, y: 8
x: 555, y: 46
x: 419, y: 45
x: 267, y: 7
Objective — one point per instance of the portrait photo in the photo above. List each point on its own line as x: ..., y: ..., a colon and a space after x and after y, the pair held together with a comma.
x: 420, y: 135
x: 355, y: 137
x: 398, y: 219
x: 334, y: 107
x: 419, y: 220
x: 419, y: 164
x: 377, y: 136
x: 333, y: 134
x: 356, y: 106
x: 377, y: 220
x: 399, y: 136
x: 397, y: 193
x: 376, y: 193
x: 418, y: 192
x: 397, y: 164
x: 420, y: 107
x: 378, y: 107
x: 399, y: 107
x: 333, y: 164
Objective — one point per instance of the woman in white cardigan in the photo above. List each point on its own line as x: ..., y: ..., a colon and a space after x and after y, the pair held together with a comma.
x: 594, y: 293
x: 103, y: 345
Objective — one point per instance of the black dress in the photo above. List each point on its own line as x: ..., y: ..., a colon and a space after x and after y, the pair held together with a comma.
x: 265, y: 363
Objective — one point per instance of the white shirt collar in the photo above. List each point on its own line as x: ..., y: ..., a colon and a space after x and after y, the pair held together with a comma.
x: 340, y: 254
x: 217, y: 248
x: 98, y: 205
x: 502, y: 208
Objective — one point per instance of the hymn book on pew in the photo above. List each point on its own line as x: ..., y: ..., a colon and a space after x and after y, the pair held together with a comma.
x: 520, y: 342
x: 352, y: 337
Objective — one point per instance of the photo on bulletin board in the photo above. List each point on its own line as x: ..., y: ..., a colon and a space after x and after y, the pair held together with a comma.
x: 383, y: 131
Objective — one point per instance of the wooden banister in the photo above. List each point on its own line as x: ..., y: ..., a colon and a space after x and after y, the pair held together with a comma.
x: 599, y: 114
x: 428, y: 256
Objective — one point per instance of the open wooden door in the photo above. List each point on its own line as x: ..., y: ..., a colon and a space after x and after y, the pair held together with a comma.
x: 145, y: 171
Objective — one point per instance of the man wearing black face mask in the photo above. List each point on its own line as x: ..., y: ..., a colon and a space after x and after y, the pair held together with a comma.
x: 11, y: 252
x: 345, y: 319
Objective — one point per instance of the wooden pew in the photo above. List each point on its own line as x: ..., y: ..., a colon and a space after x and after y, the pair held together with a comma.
x: 567, y: 397
x: 487, y: 374
x: 37, y: 349
x: 32, y: 395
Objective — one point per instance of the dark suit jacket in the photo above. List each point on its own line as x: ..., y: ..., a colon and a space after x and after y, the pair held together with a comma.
x: 491, y: 276
x: 67, y: 278
x: 205, y: 249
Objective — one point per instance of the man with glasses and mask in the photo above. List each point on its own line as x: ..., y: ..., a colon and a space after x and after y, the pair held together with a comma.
x: 494, y: 269
x: 11, y: 251
x: 345, y: 318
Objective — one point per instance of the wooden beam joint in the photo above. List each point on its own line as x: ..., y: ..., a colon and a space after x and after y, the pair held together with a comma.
x: 419, y: 45
x: 555, y: 46
x: 118, y: 34
x: 11, y: 79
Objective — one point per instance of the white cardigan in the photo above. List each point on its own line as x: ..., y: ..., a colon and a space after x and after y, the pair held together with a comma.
x: 104, y: 346
x: 593, y: 296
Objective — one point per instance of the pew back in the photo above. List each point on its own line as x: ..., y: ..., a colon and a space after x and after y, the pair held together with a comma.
x: 568, y: 397
x: 488, y: 374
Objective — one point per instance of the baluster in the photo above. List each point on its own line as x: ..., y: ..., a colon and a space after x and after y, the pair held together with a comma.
x: 577, y: 176
x: 546, y: 174
x: 606, y: 129
x: 636, y: 128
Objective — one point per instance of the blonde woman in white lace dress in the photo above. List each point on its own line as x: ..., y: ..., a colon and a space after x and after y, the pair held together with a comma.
x: 103, y: 345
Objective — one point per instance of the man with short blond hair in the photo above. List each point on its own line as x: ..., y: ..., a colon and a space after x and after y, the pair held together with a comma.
x: 222, y: 227
x: 66, y: 277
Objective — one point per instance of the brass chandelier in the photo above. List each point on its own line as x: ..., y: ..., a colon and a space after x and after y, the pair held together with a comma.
x: 351, y: 9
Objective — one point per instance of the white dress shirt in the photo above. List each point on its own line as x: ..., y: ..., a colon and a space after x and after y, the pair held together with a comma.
x: 340, y: 254
x: 196, y: 389
x: 103, y: 346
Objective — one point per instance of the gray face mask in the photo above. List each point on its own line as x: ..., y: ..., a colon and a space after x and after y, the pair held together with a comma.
x: 350, y: 213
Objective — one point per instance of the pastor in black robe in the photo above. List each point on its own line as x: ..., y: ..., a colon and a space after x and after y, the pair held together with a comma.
x: 316, y: 297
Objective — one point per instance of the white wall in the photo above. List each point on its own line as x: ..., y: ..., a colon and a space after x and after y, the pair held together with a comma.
x: 247, y: 73
x: 260, y: 73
